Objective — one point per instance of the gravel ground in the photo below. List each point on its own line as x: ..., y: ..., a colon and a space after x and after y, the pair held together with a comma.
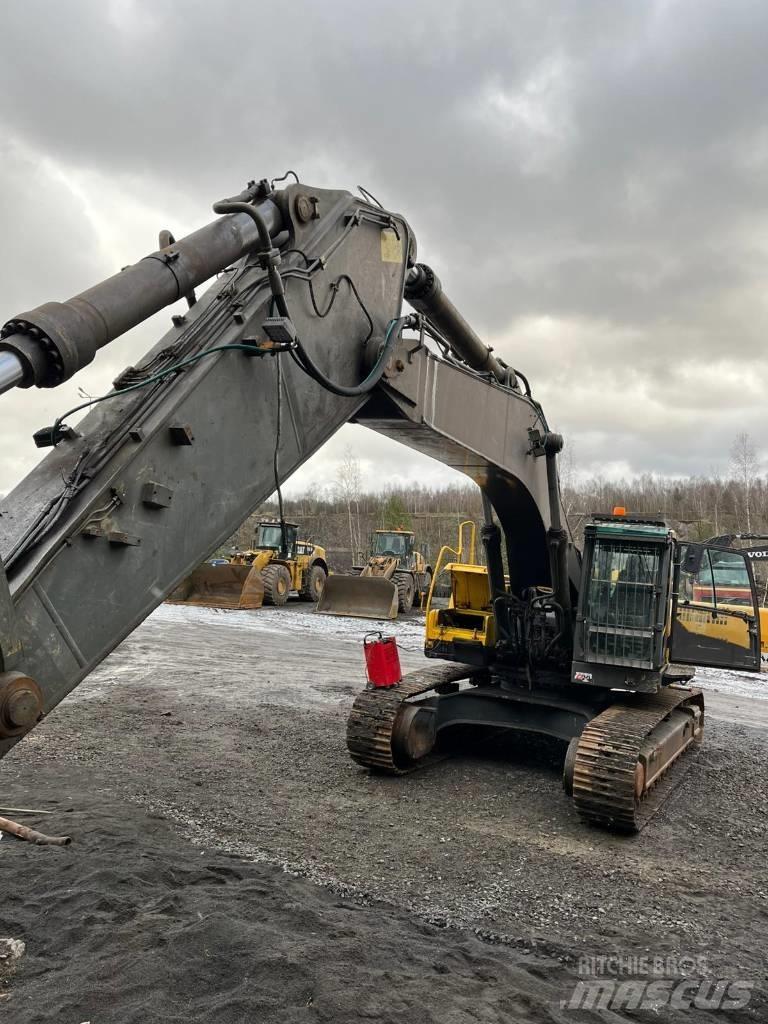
x: 469, y: 891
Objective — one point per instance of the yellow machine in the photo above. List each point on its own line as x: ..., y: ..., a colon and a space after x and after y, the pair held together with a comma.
x: 395, y: 578
x: 277, y: 564
x: 466, y: 622
x: 715, y: 597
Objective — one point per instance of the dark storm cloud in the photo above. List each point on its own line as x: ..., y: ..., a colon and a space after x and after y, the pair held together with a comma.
x: 589, y: 178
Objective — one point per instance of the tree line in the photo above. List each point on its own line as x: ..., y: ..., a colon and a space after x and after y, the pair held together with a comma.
x: 343, y: 518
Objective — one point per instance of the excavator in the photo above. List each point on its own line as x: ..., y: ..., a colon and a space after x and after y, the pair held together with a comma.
x: 301, y: 329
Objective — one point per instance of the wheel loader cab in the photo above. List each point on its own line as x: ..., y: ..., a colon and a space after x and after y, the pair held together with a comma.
x: 715, y: 614
x: 397, y: 543
x: 276, y: 537
x: 401, y: 545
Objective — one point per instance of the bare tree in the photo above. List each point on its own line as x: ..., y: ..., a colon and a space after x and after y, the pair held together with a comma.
x: 566, y: 464
x: 744, y: 467
x: 718, y: 488
x: 348, y: 486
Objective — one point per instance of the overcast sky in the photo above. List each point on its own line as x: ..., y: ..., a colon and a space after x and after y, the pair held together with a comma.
x: 589, y: 178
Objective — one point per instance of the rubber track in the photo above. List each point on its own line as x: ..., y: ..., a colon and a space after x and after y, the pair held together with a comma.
x: 608, y: 751
x: 372, y: 719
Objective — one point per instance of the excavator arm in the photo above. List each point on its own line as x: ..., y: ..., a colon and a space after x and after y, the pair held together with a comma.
x: 252, y: 379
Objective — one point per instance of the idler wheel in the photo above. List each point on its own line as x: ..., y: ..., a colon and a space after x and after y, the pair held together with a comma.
x: 413, y: 735
x: 568, y: 766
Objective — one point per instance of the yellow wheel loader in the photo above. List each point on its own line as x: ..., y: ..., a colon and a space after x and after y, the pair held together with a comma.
x: 277, y: 564
x: 395, y: 578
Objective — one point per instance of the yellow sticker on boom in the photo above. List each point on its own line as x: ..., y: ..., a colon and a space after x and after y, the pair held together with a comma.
x: 391, y: 247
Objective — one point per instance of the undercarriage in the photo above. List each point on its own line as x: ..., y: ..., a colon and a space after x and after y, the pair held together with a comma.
x: 620, y: 746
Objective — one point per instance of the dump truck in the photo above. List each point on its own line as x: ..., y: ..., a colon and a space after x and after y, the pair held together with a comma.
x: 266, y: 573
x: 300, y: 331
x: 395, y: 578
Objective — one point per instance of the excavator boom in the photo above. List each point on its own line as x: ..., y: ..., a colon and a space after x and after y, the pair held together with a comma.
x: 129, y: 502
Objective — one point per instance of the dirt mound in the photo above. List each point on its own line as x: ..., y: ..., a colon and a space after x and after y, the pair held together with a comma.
x: 131, y: 924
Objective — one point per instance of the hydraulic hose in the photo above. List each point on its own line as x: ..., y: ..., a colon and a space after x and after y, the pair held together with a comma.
x: 270, y: 258
x: 268, y: 255
x: 304, y: 360
x: 237, y: 206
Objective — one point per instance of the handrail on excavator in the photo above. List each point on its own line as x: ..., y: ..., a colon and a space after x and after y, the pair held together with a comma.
x: 458, y: 551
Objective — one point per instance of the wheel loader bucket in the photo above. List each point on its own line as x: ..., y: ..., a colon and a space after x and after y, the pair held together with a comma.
x: 363, y: 597
x: 221, y: 586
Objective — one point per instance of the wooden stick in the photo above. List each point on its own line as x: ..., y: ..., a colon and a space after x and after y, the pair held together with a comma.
x: 6, y: 825
x: 24, y: 810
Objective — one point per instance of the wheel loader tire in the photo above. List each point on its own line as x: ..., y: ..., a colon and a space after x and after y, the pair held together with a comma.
x: 277, y: 584
x: 426, y: 584
x: 314, y: 581
x: 405, y: 591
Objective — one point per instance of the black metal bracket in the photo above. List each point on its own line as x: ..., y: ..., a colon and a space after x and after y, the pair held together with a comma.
x: 419, y: 325
x: 49, y: 437
x: 544, y: 442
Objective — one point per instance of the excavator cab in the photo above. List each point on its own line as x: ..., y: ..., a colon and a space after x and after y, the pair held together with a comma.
x: 648, y: 602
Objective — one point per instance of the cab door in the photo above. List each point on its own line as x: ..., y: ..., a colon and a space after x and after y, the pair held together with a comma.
x: 715, y: 618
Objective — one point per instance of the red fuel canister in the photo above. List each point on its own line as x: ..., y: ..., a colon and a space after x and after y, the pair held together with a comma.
x: 382, y: 662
